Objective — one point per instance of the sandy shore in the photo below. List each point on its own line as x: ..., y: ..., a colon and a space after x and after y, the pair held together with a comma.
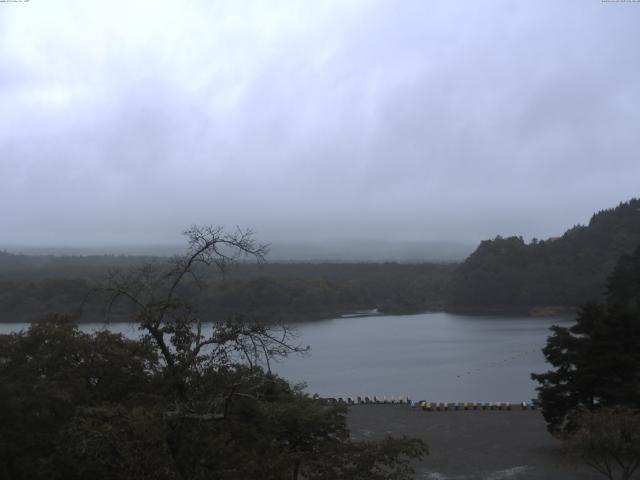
x: 473, y: 445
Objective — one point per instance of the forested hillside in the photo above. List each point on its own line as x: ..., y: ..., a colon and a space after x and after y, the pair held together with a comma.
x: 502, y: 275
x: 507, y: 273
x: 32, y: 287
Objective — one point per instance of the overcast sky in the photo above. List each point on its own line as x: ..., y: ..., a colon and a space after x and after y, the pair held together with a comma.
x: 125, y: 122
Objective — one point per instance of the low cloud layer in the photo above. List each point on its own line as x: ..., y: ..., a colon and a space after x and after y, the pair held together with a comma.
x: 413, y: 120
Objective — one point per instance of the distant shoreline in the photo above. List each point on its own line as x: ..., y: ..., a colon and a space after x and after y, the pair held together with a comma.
x: 290, y: 318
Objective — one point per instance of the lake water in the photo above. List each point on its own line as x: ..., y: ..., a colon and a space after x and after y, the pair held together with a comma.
x: 435, y: 356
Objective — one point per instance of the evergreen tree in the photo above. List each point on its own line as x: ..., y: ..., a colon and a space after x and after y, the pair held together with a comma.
x: 566, y: 271
x: 597, y: 360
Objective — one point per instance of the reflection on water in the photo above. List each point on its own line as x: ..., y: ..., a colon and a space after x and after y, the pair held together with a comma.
x: 434, y: 356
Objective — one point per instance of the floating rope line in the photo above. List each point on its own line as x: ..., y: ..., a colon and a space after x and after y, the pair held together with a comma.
x: 498, y: 363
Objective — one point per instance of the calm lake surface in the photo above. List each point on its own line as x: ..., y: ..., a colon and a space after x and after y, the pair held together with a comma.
x: 434, y: 356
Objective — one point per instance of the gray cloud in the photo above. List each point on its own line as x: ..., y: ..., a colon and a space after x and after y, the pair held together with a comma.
x: 412, y: 120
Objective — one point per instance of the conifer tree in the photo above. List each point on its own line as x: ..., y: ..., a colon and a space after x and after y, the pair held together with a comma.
x: 597, y: 360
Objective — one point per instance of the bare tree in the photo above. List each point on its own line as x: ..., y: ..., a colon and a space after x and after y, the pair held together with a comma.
x: 186, y: 342
x: 608, y: 440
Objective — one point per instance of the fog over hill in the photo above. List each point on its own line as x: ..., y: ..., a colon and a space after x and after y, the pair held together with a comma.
x: 403, y: 121
x: 371, y: 251
x: 354, y: 250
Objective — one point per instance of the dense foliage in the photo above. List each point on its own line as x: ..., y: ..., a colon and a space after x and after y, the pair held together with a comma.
x: 186, y: 401
x: 32, y: 287
x: 507, y: 273
x: 597, y: 360
x: 504, y: 274
x: 99, y: 406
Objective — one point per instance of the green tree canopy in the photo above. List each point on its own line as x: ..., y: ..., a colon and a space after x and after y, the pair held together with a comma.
x: 597, y: 360
x: 565, y: 271
x: 186, y: 401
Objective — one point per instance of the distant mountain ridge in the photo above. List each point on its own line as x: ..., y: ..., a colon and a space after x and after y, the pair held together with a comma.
x: 369, y: 251
x: 318, y: 251
x: 507, y: 273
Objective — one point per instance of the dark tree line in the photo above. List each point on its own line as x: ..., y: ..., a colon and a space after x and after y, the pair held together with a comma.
x: 504, y: 274
x: 508, y: 273
x: 269, y: 292
x: 186, y: 401
x: 591, y: 399
x: 597, y: 360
